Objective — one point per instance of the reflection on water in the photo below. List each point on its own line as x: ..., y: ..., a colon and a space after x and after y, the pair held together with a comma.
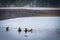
x: 25, y: 35
x: 35, y: 35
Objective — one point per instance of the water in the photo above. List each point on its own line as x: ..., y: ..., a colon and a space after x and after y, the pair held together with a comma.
x: 44, y: 28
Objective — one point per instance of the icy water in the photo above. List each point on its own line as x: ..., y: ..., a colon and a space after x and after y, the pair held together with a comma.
x: 44, y: 28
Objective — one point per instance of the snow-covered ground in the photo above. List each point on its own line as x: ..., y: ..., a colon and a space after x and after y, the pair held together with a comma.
x: 44, y: 28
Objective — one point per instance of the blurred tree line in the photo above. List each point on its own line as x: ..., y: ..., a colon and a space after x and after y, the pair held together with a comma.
x: 14, y: 2
x: 30, y: 3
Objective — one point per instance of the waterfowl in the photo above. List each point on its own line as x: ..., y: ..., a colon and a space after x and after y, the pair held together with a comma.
x: 19, y: 29
x: 25, y: 30
x: 30, y: 30
x: 7, y: 29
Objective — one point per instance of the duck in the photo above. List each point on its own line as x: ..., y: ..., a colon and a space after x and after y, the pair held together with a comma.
x: 25, y: 30
x: 19, y: 29
x: 28, y: 30
x: 7, y: 29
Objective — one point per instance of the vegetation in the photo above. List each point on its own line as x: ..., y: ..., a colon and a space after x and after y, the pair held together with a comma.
x: 30, y: 3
